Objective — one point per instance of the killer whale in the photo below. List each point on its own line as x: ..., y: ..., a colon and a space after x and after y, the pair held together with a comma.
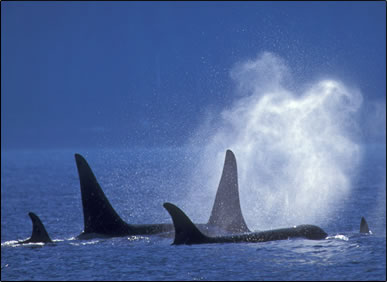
x: 39, y: 233
x: 187, y: 233
x: 364, y: 226
x: 226, y: 211
x: 100, y: 218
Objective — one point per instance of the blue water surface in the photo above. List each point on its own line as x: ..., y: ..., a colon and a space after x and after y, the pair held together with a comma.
x: 138, y: 182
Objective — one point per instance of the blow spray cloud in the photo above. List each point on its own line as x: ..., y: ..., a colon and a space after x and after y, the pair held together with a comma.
x: 296, y: 150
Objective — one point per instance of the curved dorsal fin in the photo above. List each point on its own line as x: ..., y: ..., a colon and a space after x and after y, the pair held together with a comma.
x: 39, y: 233
x: 99, y: 216
x: 226, y: 211
x: 364, y: 226
x: 185, y: 231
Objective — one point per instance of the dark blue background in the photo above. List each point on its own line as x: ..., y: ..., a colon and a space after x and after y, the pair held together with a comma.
x: 103, y: 74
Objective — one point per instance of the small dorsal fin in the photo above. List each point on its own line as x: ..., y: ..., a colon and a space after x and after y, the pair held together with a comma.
x: 185, y: 231
x: 39, y: 233
x: 99, y: 215
x: 226, y: 211
x: 364, y: 226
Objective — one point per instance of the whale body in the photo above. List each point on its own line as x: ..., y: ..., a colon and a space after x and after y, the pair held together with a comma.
x: 187, y: 233
x: 39, y: 233
x: 100, y: 218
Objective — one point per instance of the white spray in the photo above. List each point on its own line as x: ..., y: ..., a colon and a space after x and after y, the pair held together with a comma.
x: 295, y: 149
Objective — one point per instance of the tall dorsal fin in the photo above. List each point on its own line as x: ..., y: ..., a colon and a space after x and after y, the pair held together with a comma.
x: 99, y: 215
x: 226, y: 212
x: 185, y: 231
x: 364, y: 226
x: 39, y: 233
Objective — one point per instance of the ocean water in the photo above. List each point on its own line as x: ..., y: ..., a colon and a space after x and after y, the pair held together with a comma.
x: 137, y: 182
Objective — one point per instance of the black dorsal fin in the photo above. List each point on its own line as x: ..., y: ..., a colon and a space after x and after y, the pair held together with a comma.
x: 99, y: 215
x: 185, y: 231
x: 39, y: 233
x: 226, y: 212
x: 364, y: 226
